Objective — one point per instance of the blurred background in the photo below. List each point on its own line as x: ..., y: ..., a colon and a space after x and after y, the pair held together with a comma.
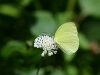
x: 21, y: 21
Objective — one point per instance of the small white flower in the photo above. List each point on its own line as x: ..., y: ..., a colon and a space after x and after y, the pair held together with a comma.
x: 47, y: 43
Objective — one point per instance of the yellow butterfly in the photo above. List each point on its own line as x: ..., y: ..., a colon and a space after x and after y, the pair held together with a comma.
x: 66, y: 38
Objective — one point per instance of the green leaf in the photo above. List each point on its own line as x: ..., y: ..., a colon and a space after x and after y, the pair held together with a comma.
x: 13, y: 46
x: 72, y: 70
x: 90, y: 7
x: 29, y: 71
x: 45, y: 23
x: 25, y: 2
x: 69, y: 58
x: 86, y: 72
x: 64, y: 17
x: 84, y: 42
x: 58, y: 72
x: 9, y: 10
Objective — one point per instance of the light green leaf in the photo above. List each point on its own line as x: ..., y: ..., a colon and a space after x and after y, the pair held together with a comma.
x: 64, y: 17
x: 58, y: 72
x: 90, y: 7
x: 84, y: 42
x: 68, y: 57
x: 13, y: 46
x: 29, y: 72
x: 45, y: 23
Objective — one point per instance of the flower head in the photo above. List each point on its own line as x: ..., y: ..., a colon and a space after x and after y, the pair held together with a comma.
x: 47, y: 43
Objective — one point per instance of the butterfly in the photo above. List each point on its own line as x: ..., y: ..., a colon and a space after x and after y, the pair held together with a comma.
x: 66, y: 38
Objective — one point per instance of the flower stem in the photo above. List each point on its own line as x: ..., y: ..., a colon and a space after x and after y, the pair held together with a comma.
x: 39, y: 66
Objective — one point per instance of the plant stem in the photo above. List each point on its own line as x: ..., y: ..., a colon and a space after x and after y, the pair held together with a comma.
x: 71, y: 5
x: 39, y: 65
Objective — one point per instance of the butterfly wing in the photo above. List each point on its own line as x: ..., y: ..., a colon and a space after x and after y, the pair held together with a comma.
x: 66, y: 38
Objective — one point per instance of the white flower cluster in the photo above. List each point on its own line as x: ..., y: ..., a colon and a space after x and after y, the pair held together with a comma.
x: 47, y: 43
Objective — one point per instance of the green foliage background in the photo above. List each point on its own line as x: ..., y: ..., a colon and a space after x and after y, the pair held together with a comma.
x: 21, y: 21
